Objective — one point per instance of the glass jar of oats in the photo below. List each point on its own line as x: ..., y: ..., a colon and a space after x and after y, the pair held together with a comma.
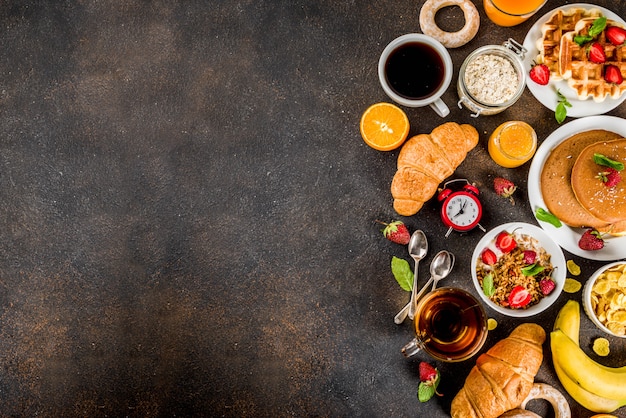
x: 492, y: 78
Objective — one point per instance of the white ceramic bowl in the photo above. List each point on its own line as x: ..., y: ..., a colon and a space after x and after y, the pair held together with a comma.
x: 587, y: 297
x: 556, y: 257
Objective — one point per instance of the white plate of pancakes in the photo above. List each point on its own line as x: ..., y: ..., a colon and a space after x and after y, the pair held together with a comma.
x: 547, y: 95
x: 574, y: 135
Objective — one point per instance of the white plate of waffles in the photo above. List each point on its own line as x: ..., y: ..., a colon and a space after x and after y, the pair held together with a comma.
x: 552, y: 26
x: 567, y: 237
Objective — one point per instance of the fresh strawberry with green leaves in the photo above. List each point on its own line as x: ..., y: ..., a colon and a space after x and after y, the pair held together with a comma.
x: 616, y: 35
x: 397, y: 232
x: 429, y: 380
x: 547, y: 286
x: 540, y: 74
x: 504, y: 188
x: 489, y: 257
x: 591, y: 240
x: 595, y: 52
x: 519, y: 297
x: 505, y: 242
x: 612, y: 74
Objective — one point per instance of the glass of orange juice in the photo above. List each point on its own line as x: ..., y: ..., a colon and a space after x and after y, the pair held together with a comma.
x: 512, y: 144
x: 511, y: 12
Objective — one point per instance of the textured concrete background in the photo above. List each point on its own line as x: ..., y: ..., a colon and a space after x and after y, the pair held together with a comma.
x: 187, y: 210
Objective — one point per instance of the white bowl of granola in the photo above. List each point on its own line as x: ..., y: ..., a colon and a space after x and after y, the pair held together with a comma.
x: 604, y: 298
x: 518, y: 270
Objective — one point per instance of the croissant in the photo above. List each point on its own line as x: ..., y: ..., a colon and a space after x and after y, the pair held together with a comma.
x: 425, y: 161
x: 503, y: 376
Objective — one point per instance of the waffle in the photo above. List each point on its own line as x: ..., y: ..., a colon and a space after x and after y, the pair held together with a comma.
x: 561, y: 22
x: 584, y: 76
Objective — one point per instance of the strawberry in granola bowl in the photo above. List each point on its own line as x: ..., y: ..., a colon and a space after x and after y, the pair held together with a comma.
x: 518, y: 270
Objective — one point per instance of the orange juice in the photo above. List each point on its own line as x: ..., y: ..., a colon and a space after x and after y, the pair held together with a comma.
x: 511, y: 12
x: 512, y: 144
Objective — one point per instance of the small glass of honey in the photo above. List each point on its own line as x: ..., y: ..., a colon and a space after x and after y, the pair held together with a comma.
x: 512, y: 144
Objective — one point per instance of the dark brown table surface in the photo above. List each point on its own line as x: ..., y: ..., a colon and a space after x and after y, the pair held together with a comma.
x: 188, y: 211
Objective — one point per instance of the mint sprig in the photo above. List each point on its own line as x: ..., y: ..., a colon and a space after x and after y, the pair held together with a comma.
x: 607, y: 162
x: 545, y: 216
x: 532, y: 269
x: 596, y: 29
x: 488, y: 287
x: 402, y: 272
x: 560, y: 113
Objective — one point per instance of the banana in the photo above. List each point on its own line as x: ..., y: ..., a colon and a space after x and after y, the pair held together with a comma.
x: 606, y: 382
x: 568, y: 320
x: 587, y: 399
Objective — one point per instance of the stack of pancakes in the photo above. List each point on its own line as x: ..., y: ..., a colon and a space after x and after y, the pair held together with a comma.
x: 569, y: 61
x: 572, y: 190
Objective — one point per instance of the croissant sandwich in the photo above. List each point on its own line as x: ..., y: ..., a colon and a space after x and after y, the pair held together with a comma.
x: 503, y: 376
x: 425, y: 161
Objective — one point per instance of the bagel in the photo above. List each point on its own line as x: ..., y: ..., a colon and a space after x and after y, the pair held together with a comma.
x: 450, y: 39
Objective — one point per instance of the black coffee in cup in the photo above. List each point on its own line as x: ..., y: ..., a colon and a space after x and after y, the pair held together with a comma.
x: 414, y: 70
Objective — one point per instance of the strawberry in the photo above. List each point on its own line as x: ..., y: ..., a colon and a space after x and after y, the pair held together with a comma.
x: 613, y: 75
x: 547, y: 286
x: 611, y: 177
x: 429, y: 380
x: 615, y: 35
x: 397, y: 232
x: 529, y: 256
x: 591, y: 240
x: 596, y: 53
x: 505, y: 242
x: 427, y: 372
x: 540, y: 74
x: 489, y: 257
x: 504, y: 188
x: 519, y: 297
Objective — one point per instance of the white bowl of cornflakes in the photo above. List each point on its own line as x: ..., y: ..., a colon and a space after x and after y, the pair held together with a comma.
x: 604, y: 298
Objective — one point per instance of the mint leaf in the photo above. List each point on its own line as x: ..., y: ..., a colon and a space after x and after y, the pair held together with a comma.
x: 582, y: 39
x: 561, y: 108
x: 488, y: 287
x: 607, y: 162
x: 402, y: 272
x: 532, y: 270
x: 545, y: 216
x: 425, y: 392
x: 598, y: 26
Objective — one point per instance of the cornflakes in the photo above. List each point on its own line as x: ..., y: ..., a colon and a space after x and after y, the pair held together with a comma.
x: 608, y: 299
x: 573, y: 268
x: 571, y: 285
x: 601, y: 346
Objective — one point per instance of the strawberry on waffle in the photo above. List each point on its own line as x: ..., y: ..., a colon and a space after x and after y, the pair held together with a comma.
x: 586, y: 77
x: 561, y: 22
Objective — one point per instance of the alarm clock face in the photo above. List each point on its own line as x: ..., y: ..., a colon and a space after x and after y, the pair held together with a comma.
x: 462, y: 211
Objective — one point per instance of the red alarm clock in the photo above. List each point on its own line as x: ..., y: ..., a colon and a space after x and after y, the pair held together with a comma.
x: 460, y: 210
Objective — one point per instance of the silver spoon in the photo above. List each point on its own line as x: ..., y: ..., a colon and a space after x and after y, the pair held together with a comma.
x: 440, y: 267
x: 443, y: 274
x: 418, y: 247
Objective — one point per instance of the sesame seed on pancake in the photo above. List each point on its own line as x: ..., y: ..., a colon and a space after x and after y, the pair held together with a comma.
x: 605, y: 203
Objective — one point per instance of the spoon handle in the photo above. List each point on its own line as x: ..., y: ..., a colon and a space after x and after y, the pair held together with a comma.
x: 413, y: 302
x: 422, y: 291
x: 401, y: 316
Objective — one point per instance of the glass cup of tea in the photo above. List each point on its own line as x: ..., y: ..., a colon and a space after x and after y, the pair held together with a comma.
x: 450, y: 325
x: 511, y: 12
x: 415, y: 70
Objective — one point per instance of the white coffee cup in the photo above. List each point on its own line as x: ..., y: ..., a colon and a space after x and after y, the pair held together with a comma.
x: 415, y: 70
